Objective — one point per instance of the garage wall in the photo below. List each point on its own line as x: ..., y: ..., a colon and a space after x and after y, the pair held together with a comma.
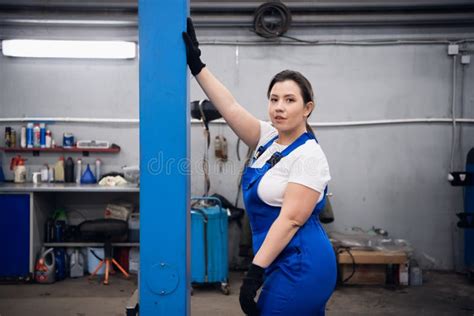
x: 387, y: 176
x: 73, y: 88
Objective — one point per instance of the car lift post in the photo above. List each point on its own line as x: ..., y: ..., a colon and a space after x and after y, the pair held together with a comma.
x: 164, y: 280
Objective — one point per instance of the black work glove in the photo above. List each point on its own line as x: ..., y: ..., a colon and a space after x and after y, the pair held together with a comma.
x: 251, y: 283
x: 193, y: 53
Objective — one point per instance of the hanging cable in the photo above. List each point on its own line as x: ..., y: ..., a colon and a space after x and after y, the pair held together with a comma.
x: 237, y: 148
x: 205, y: 159
x: 205, y: 112
x: 348, y: 250
x: 462, y: 84
x: 250, y: 151
x: 453, y: 115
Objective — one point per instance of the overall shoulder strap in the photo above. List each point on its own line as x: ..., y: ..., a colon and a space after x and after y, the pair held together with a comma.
x: 275, y: 158
x: 264, y: 147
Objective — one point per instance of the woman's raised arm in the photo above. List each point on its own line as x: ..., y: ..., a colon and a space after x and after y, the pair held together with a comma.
x: 244, y: 124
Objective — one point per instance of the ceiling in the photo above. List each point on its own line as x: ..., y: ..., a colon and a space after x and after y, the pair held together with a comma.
x: 226, y: 13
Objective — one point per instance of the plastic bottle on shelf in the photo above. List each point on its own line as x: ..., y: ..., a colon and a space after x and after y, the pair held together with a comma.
x: 19, y: 169
x: 20, y: 172
x: 49, y: 139
x: 78, y: 171
x: 23, y: 137
x: 13, y: 139
x: 88, y: 177
x: 59, y: 170
x: 45, y: 173
x: 36, y: 136
x: 69, y: 170
x: 51, y: 174
x: 68, y: 140
x: 97, y: 169
x: 43, y: 135
x: 29, y: 135
x: 8, y: 133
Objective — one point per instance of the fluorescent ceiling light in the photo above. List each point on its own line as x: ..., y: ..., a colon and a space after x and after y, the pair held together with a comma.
x: 69, y: 49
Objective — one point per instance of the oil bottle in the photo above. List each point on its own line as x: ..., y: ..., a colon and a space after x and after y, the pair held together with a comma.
x: 19, y: 169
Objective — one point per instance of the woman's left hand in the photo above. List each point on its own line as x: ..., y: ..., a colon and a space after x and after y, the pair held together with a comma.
x: 193, y: 53
x: 248, y: 291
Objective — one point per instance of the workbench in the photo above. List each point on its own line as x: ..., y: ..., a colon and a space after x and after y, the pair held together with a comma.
x: 373, y: 267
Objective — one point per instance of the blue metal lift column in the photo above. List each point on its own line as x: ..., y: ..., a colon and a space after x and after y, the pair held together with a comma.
x: 164, y: 159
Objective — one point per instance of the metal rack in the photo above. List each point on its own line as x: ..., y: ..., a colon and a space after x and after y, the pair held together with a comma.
x: 114, y: 149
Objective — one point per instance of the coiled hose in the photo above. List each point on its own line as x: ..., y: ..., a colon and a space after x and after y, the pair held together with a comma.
x: 272, y: 19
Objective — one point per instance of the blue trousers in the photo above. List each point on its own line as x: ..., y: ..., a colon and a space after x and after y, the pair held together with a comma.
x: 302, y: 279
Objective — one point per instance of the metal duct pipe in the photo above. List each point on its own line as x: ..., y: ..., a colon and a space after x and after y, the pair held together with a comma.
x: 32, y: 18
x: 240, y: 14
x: 250, y: 5
x: 70, y: 4
x: 308, y: 6
x: 383, y: 19
x: 241, y: 20
x: 342, y: 20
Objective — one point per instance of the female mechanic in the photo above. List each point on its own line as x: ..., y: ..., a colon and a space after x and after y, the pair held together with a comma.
x: 284, y: 189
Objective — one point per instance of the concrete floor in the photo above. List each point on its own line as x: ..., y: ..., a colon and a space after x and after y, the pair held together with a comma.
x: 441, y: 294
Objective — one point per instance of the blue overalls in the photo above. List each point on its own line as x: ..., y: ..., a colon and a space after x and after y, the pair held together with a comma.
x: 302, y: 278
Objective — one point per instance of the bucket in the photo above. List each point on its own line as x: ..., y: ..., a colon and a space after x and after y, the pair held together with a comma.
x: 45, y: 268
x: 93, y: 261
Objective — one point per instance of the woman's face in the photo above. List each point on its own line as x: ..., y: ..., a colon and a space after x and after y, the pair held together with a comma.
x: 286, y: 106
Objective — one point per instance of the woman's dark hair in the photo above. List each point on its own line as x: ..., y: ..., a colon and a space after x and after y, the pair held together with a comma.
x: 301, y: 81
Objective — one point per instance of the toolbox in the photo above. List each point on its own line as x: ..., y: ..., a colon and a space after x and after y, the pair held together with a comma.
x: 209, y: 240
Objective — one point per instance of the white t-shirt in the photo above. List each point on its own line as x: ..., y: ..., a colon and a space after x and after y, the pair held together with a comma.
x: 306, y: 165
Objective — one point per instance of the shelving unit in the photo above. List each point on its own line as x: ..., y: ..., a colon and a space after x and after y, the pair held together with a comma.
x: 44, y: 198
x: 114, y: 149
x: 66, y: 187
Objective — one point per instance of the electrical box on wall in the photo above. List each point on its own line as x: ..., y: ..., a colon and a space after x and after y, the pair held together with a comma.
x: 453, y: 49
